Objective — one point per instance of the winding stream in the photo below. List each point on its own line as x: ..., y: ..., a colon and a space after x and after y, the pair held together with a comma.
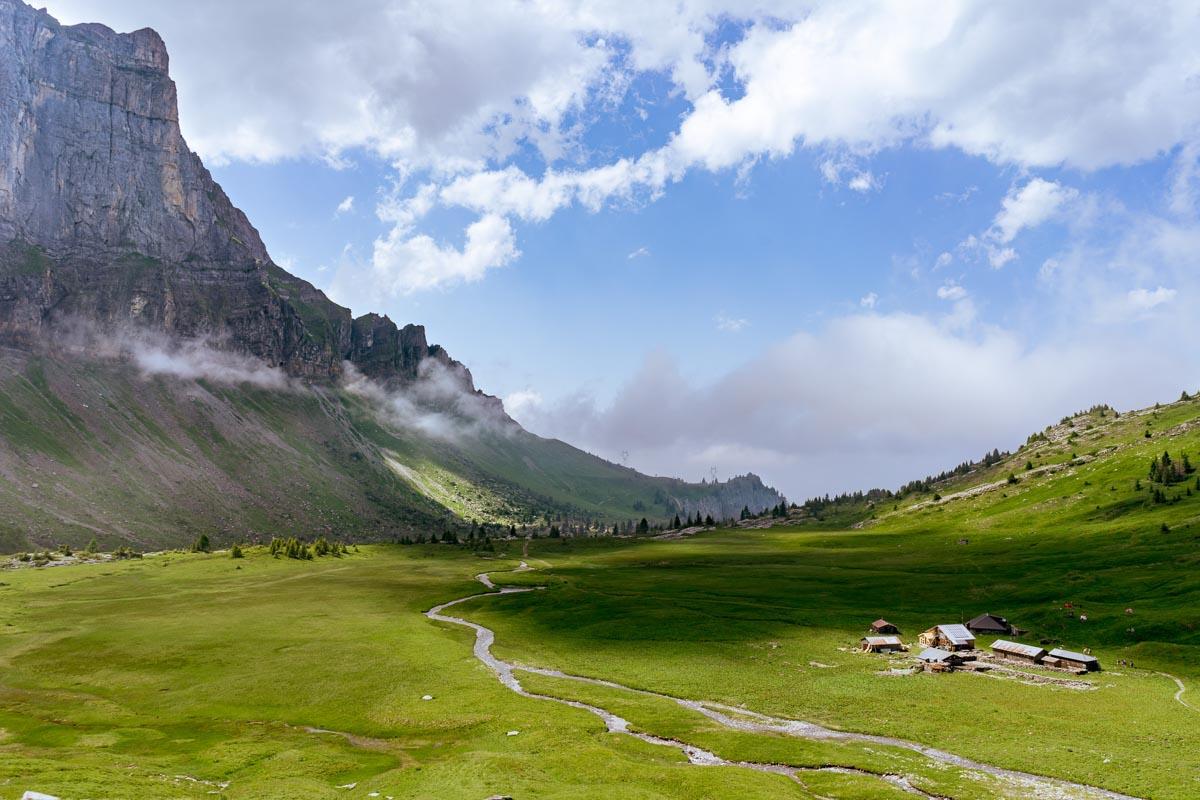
x: 1026, y: 784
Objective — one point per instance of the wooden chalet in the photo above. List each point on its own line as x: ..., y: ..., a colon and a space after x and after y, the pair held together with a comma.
x: 989, y: 624
x: 1067, y: 659
x: 948, y: 637
x: 882, y: 644
x: 883, y: 626
x: 1015, y: 651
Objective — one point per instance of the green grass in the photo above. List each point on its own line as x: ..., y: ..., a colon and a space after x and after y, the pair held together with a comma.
x: 114, y: 675
x: 93, y: 448
x: 117, y: 679
x: 751, y: 617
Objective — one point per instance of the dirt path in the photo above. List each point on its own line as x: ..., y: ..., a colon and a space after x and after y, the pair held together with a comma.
x: 1029, y: 785
x: 1179, y: 694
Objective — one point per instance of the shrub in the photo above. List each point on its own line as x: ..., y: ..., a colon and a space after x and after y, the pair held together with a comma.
x: 236, y: 551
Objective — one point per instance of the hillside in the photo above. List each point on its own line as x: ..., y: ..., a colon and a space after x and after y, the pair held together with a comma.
x: 163, y: 377
x: 100, y: 449
x: 1090, y: 472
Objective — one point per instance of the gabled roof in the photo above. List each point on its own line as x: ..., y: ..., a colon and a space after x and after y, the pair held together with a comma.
x: 989, y: 622
x: 1028, y: 650
x: 882, y: 640
x: 880, y: 621
x: 934, y: 655
x: 1071, y: 655
x: 957, y: 634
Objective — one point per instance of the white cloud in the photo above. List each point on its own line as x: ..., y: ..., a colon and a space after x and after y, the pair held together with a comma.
x: 943, y: 260
x: 523, y: 402
x: 999, y: 256
x: 450, y: 93
x: 869, y: 300
x: 410, y: 263
x: 951, y: 291
x: 640, y: 252
x: 1145, y: 299
x: 863, y: 182
x: 730, y: 324
x: 344, y: 207
x: 951, y: 393
x: 848, y: 171
x: 1036, y: 202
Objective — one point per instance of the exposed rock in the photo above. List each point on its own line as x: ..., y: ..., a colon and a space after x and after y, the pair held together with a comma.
x: 726, y: 500
x: 106, y: 216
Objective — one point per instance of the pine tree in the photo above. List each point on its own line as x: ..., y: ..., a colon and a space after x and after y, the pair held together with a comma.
x: 643, y: 526
x: 708, y: 521
x: 201, y: 545
x: 676, y: 524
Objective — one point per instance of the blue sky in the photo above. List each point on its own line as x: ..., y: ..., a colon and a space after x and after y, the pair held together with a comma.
x: 840, y: 245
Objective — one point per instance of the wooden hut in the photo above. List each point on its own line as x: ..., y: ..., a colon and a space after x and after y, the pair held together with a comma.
x: 989, y: 624
x: 934, y: 659
x: 882, y: 626
x: 1015, y: 651
x: 882, y: 644
x: 1067, y: 659
x: 948, y: 637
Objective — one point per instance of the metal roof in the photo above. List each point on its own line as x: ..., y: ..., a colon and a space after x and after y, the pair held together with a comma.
x: 1070, y: 655
x: 1020, y: 649
x: 958, y: 634
x: 989, y: 620
x: 934, y: 654
x: 882, y: 640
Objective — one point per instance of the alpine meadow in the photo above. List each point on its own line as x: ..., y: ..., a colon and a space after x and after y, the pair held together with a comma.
x: 739, y: 285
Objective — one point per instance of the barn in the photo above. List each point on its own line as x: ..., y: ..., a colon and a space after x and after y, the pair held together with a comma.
x: 990, y: 624
x: 882, y: 644
x: 948, y: 637
x: 883, y: 626
x: 1068, y: 659
x: 1014, y: 651
x: 934, y: 659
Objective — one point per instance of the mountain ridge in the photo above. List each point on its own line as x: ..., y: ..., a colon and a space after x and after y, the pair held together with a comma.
x: 106, y: 214
x: 247, y: 396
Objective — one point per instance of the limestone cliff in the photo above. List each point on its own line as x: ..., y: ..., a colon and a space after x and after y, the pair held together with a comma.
x: 107, y: 216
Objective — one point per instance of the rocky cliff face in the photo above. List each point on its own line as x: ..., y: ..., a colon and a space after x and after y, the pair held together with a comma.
x: 106, y: 216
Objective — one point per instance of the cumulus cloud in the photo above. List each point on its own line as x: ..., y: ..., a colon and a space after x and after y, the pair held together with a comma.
x: 344, y: 207
x: 453, y: 94
x: 1030, y: 205
x: 407, y: 264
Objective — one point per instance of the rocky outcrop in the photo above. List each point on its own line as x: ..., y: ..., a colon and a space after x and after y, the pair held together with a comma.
x: 107, y: 217
x: 726, y: 500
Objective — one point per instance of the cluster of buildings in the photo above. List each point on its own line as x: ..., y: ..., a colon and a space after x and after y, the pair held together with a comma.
x: 949, y: 647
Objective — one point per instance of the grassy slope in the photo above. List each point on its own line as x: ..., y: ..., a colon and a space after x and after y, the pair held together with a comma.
x: 168, y: 677
x: 744, y: 617
x: 89, y: 449
x: 770, y: 619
